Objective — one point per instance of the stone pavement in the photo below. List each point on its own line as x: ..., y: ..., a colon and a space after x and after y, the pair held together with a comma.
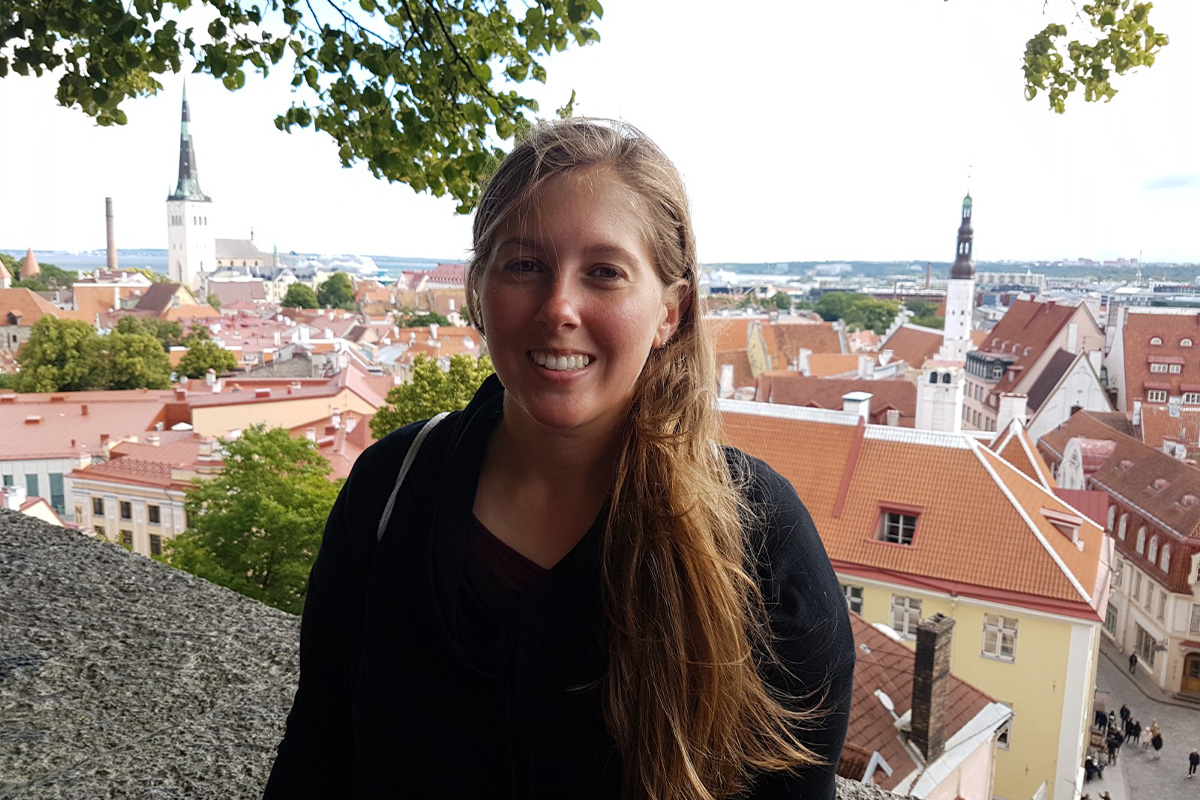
x: 1138, y: 775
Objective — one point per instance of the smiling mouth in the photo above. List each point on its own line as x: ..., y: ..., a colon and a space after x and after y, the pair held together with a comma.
x: 559, y: 363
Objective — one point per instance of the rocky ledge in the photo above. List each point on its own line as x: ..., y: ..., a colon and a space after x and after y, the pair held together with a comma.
x: 121, y: 677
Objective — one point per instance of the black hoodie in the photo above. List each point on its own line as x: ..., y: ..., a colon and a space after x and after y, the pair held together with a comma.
x: 392, y: 703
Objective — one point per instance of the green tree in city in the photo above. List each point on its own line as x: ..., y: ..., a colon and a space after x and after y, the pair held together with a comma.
x: 871, y: 313
x: 132, y: 361
x: 411, y: 318
x: 213, y: 301
x: 781, y: 301
x: 168, y: 332
x: 256, y: 526
x: 203, y: 355
x: 420, y: 90
x: 51, y: 278
x: 431, y: 391
x: 924, y: 312
x: 833, y: 305
x: 336, y: 292
x: 300, y: 295
x: 61, y: 355
x: 11, y: 264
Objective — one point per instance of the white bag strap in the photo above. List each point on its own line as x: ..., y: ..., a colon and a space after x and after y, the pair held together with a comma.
x: 409, y: 457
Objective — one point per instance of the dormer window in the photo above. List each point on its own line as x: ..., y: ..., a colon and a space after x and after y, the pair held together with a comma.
x: 1152, y: 555
x: 1159, y: 484
x: 1185, y: 342
x: 1165, y: 563
x: 1156, y: 341
x: 1188, y: 500
x: 897, y: 525
x: 1141, y: 540
x: 1121, y: 529
x: 1066, y: 524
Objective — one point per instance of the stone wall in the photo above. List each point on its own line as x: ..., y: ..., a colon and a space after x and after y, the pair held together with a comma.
x: 121, y: 677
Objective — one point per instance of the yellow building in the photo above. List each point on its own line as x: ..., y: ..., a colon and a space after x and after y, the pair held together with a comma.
x: 918, y: 523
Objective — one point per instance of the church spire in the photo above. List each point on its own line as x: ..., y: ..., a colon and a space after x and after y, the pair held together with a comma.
x: 964, y: 264
x: 188, y: 187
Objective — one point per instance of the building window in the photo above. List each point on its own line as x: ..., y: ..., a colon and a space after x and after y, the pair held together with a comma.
x: 1153, y: 554
x: 126, y: 509
x: 1191, y: 398
x: 1194, y: 625
x: 897, y: 528
x: 8, y: 480
x: 1141, y: 540
x: 1110, y: 620
x: 1185, y: 342
x: 1165, y: 563
x: 1156, y: 396
x: 1162, y: 606
x: 153, y: 514
x: 1174, y: 369
x: 1144, y: 646
x: 1156, y: 340
x: 1121, y: 530
x: 1112, y: 517
x: 1149, y: 595
x: 31, y: 484
x: 127, y: 539
x: 1117, y: 571
x: 98, y: 506
x: 58, y: 497
x: 155, y: 544
x: 854, y: 597
x: 1158, y: 367
x: 906, y: 615
x: 999, y: 637
x: 1137, y: 585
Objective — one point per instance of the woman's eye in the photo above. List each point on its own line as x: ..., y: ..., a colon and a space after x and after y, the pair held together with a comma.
x: 521, y: 266
x: 607, y: 273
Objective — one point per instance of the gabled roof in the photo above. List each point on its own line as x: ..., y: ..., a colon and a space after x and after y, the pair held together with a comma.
x: 1131, y: 470
x: 1055, y: 370
x: 26, y: 305
x: 1024, y: 333
x: 792, y: 388
x: 1014, y: 445
x: 847, y: 474
x: 913, y: 344
x: 1158, y: 425
x: 884, y: 664
x: 819, y: 337
x: 243, y: 249
x: 158, y: 298
x: 822, y: 365
x: 449, y: 274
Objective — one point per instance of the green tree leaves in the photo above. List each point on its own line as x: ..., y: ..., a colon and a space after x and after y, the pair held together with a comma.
x: 59, y: 356
x: 203, y: 355
x: 336, y: 292
x: 857, y: 310
x: 256, y: 527
x: 300, y: 296
x: 405, y: 86
x: 431, y: 391
x: 1124, y: 39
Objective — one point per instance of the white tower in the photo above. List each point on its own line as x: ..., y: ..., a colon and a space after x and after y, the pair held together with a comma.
x: 940, y: 397
x: 960, y: 294
x: 191, y: 246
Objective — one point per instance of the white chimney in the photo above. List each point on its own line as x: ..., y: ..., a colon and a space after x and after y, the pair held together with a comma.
x: 433, y: 331
x: 14, y: 497
x: 802, y: 361
x: 866, y: 366
x: 1012, y: 406
x: 1137, y: 412
x: 858, y: 403
x: 893, y: 417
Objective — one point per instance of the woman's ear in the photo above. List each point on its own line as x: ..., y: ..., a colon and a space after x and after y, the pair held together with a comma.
x: 677, y: 301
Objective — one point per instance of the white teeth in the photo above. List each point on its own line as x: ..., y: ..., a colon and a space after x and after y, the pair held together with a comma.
x: 560, y: 363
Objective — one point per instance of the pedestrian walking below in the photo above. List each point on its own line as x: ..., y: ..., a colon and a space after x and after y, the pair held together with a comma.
x: 1193, y: 762
x: 1133, y: 659
x: 1156, y: 742
x: 1124, y: 716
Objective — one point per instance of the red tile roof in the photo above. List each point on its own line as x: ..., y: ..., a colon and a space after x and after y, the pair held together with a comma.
x: 1171, y: 329
x: 1014, y: 445
x: 1025, y: 332
x: 791, y: 388
x: 913, y: 344
x: 886, y: 665
x: 26, y: 306
x: 847, y: 474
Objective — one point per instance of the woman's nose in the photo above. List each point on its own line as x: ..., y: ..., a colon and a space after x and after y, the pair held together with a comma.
x: 560, y: 306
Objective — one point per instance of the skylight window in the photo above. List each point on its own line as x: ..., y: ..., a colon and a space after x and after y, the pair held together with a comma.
x: 897, y: 527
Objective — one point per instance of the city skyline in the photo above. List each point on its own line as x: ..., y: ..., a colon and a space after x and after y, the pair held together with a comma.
x: 814, y: 134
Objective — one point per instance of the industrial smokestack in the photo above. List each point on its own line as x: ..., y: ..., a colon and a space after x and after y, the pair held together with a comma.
x: 112, y: 239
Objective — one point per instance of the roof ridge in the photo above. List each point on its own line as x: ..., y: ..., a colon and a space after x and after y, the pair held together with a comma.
x: 1021, y: 511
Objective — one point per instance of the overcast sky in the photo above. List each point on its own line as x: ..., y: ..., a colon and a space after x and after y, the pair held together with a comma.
x: 805, y: 130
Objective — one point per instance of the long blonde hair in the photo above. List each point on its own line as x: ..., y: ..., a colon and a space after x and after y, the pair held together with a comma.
x: 684, y: 697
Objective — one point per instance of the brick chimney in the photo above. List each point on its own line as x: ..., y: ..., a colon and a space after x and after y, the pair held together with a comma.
x: 931, y: 686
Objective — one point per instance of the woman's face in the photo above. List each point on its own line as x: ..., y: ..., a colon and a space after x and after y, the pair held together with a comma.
x: 572, y: 303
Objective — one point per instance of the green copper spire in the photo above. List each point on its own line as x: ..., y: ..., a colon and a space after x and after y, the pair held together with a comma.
x: 188, y: 187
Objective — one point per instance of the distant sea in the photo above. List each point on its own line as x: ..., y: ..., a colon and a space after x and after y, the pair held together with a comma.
x: 157, y: 259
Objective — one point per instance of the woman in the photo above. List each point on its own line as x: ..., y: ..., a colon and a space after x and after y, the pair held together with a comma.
x: 579, y: 593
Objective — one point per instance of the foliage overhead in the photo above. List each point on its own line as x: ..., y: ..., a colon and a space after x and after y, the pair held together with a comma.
x: 431, y: 391
x: 300, y: 295
x: 1120, y: 38
x: 204, y: 354
x: 418, y: 89
x: 256, y: 527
